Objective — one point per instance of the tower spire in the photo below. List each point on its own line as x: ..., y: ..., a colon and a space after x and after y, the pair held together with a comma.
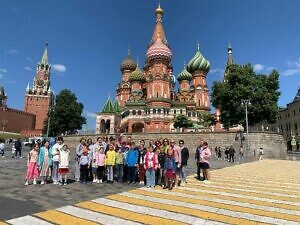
x: 230, y: 57
x: 158, y: 32
x: 45, y: 55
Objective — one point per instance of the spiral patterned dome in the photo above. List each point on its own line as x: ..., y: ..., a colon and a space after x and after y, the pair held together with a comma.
x: 137, y: 75
x: 184, y: 75
x: 157, y: 49
x: 128, y: 64
x: 198, y: 62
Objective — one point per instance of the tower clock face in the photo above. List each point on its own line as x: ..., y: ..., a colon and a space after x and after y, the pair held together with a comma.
x: 40, y: 83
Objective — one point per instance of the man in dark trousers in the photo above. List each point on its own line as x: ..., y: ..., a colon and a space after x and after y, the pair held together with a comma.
x: 18, y: 146
x: 231, y: 154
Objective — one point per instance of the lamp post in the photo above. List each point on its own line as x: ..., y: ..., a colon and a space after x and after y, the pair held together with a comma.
x: 246, y: 103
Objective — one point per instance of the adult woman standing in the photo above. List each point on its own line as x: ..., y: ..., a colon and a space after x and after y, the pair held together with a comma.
x: 45, y: 161
x: 79, y: 150
x: 204, y: 162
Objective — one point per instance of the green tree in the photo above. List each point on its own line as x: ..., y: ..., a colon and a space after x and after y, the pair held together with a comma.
x: 65, y: 115
x: 182, y: 121
x: 242, y: 83
x: 206, y: 119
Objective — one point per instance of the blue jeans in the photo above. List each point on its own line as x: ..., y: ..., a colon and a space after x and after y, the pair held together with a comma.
x: 150, y: 177
x: 110, y: 173
x: 119, y: 172
x: 55, y: 171
x: 183, y: 174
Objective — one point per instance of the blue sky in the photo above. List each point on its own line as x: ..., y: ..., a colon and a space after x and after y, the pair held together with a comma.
x: 89, y: 39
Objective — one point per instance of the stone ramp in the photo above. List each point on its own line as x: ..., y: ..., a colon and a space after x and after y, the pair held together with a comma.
x: 261, y: 192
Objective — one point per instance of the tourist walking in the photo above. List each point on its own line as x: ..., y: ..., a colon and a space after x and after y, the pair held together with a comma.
x: 150, y: 165
x: 261, y: 153
x: 45, y: 161
x: 55, y: 157
x: 78, y: 152
x: 63, y: 168
x: 32, y: 167
x: 2, y: 147
x: 204, y: 162
x: 241, y: 154
x: 184, y: 161
x: 231, y: 154
x: 18, y: 146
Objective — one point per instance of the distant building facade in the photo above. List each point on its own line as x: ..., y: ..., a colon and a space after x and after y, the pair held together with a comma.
x: 288, y: 122
x: 13, y: 120
x: 146, y: 100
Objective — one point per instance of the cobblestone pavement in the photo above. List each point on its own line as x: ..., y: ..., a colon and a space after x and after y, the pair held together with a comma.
x: 249, y: 193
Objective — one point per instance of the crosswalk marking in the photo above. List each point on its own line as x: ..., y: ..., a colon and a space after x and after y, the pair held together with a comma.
x: 250, y: 193
x: 126, y: 214
x: 230, y: 210
x: 63, y: 218
x: 27, y: 220
x: 94, y: 216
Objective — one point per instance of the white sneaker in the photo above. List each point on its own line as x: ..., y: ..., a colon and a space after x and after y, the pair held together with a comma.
x: 182, y: 184
x: 26, y: 183
x: 98, y: 181
x: 101, y: 181
x: 43, y: 182
x: 94, y: 181
x: 34, y: 182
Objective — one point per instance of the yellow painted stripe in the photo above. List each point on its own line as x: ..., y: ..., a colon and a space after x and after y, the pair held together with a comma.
x: 244, y: 200
x: 253, y: 183
x: 276, y: 179
x: 125, y: 214
x: 62, y: 218
x: 221, y: 189
x: 2, y: 223
x: 253, y: 188
x: 182, y: 210
x: 258, y: 212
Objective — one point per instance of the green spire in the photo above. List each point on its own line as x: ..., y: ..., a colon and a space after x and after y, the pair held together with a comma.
x: 108, y: 106
x: 45, y: 55
x: 117, y: 107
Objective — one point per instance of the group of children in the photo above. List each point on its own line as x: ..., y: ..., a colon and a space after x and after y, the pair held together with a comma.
x: 159, y: 163
x: 48, y: 163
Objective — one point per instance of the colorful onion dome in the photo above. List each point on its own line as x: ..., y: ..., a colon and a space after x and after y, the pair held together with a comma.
x: 158, y: 49
x: 173, y: 80
x: 128, y: 63
x: 184, y: 75
x: 137, y: 75
x: 198, y: 62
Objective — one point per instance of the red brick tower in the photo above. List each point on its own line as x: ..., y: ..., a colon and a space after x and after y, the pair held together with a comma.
x: 124, y: 87
x: 39, y: 98
x: 158, y: 73
x: 198, y: 66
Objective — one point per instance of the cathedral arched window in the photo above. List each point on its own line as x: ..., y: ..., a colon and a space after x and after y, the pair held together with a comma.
x: 189, y: 114
x: 159, y: 111
x: 154, y: 111
x: 139, y: 112
x: 134, y: 112
x: 194, y: 114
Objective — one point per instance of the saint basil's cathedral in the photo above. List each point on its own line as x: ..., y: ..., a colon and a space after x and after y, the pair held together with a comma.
x: 146, y: 100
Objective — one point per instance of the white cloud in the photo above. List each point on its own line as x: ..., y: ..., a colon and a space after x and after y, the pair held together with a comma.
x: 3, y: 71
x: 90, y: 114
x: 29, y: 59
x: 59, y: 68
x: 12, y: 51
x: 27, y: 68
x: 294, y: 68
x: 258, y: 67
x: 217, y: 71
